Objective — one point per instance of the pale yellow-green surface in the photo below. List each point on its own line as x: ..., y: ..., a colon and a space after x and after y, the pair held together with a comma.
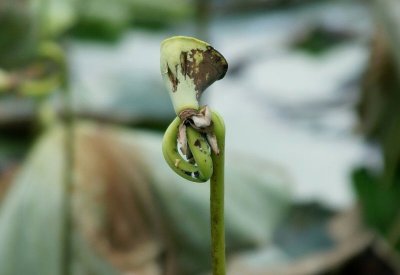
x: 185, y: 95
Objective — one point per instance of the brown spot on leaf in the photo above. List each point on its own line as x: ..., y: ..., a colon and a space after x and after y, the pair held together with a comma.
x: 115, y: 209
x: 211, y: 67
x: 174, y: 80
x: 184, y: 64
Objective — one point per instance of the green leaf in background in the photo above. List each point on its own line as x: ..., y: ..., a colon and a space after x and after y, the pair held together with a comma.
x: 106, y: 20
x: 101, y: 19
x: 128, y: 207
x: 17, y: 33
x: 380, y: 204
x: 53, y: 17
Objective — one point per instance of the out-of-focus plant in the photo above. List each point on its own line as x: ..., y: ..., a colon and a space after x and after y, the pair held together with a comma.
x: 32, y: 62
x: 379, y: 189
x: 39, y: 77
x: 106, y: 20
x: 17, y: 34
x: 188, y: 67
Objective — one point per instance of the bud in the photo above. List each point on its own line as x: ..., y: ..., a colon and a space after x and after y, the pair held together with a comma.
x: 188, y: 67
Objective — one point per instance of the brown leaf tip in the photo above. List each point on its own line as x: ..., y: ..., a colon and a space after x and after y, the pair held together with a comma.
x: 204, y: 67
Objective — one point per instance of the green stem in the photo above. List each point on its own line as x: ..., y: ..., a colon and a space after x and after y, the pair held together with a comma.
x: 186, y: 169
x: 66, y: 262
x: 217, y: 200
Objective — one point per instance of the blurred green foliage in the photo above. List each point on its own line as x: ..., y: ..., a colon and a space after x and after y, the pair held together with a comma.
x: 380, y: 202
x: 318, y: 39
x: 17, y: 36
x: 379, y: 191
x: 25, y: 22
x: 106, y: 20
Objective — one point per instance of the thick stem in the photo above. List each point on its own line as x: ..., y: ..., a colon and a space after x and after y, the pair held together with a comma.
x: 217, y: 200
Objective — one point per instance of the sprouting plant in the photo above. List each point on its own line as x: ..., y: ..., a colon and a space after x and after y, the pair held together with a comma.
x: 188, y: 67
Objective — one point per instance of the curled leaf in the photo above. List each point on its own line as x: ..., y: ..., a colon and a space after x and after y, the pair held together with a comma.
x: 188, y: 67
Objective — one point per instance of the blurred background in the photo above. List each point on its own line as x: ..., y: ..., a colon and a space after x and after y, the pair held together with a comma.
x: 311, y: 103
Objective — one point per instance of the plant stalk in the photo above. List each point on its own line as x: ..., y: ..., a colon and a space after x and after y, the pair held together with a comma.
x: 66, y: 260
x: 217, y: 200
